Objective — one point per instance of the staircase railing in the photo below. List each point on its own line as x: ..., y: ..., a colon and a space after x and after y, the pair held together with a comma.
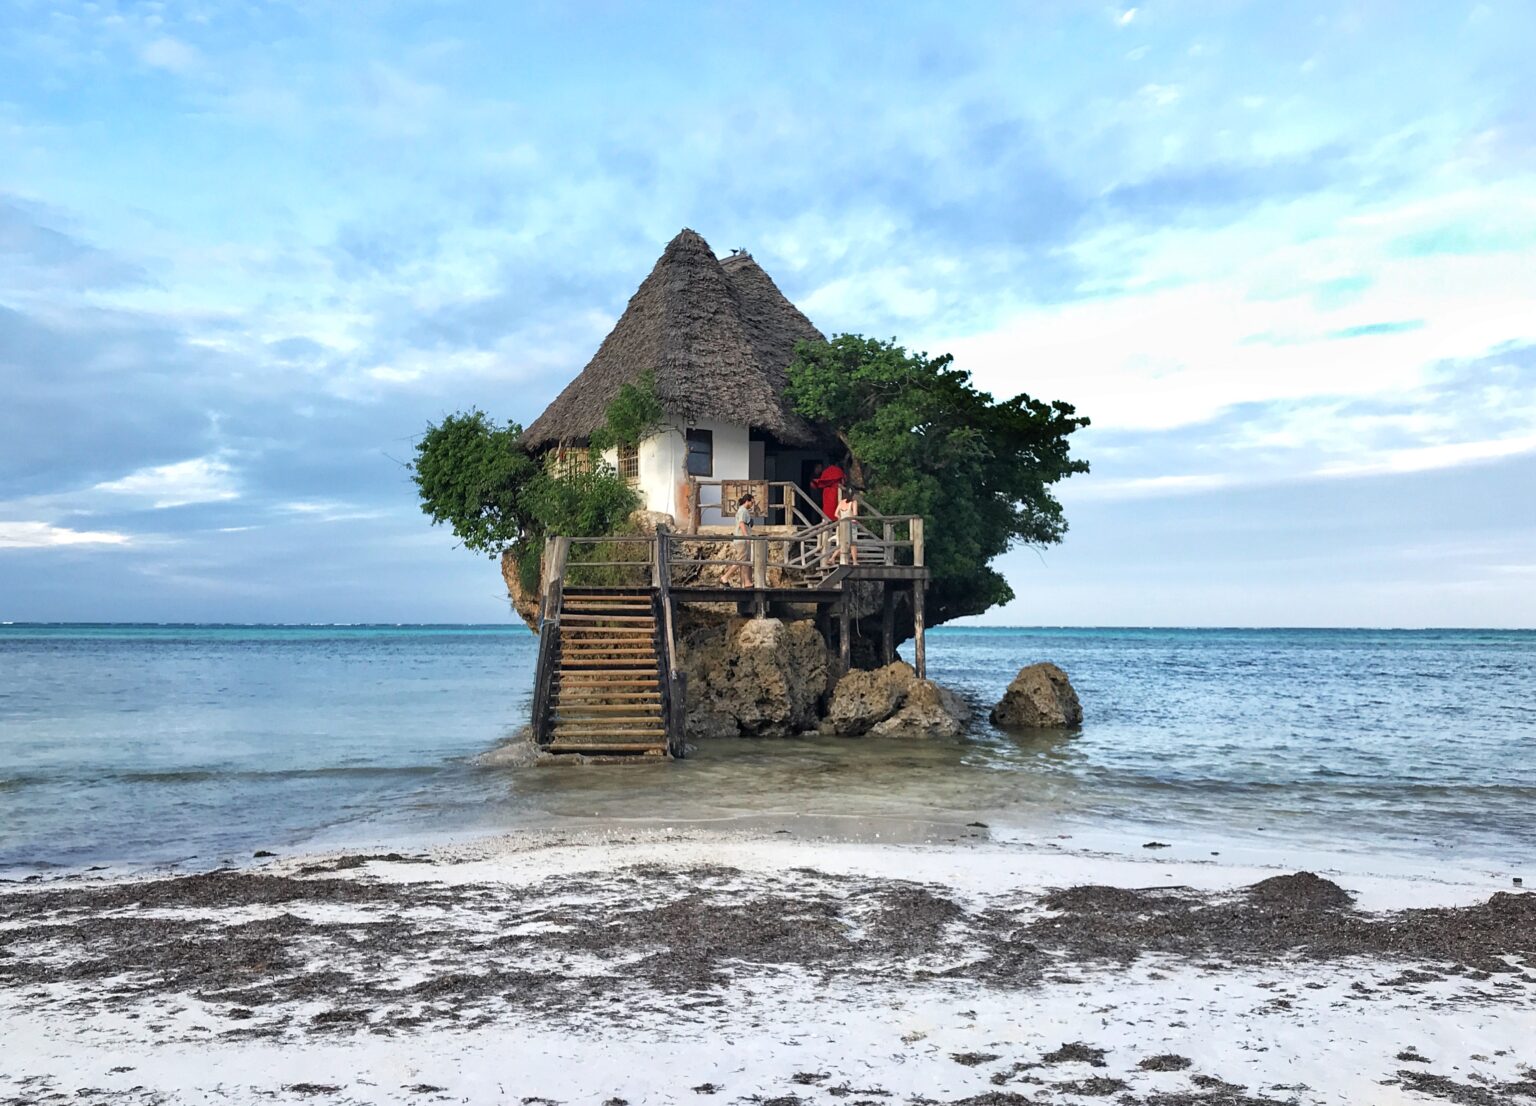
x: 674, y: 681
x: 551, y: 598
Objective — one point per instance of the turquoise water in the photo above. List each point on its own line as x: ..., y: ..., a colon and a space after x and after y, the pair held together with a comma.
x: 197, y: 744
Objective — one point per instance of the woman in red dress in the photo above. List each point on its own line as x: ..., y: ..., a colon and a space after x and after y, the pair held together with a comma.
x: 827, y: 480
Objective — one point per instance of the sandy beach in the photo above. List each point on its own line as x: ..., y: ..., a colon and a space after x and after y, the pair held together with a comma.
x: 698, y: 964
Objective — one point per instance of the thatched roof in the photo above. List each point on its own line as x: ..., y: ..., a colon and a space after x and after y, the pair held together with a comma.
x: 719, y: 336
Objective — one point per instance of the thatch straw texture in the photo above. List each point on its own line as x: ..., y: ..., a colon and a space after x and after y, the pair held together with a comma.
x: 719, y: 337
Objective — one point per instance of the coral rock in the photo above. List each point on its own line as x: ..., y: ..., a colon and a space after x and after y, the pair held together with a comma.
x: 1040, y: 696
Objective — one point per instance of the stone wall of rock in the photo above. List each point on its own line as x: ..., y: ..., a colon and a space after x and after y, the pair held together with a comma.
x: 893, y: 702
x: 754, y: 678
x: 525, y: 605
x: 1040, y: 696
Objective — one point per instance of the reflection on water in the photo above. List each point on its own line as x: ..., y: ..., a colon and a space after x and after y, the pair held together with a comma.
x: 170, y: 743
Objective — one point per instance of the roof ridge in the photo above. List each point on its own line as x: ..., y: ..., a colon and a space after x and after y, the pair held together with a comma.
x: 717, y: 333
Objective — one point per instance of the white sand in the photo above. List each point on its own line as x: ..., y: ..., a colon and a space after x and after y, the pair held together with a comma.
x: 1320, y: 1043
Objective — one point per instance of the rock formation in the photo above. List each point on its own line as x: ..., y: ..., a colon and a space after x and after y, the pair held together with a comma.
x: 524, y: 603
x: 1040, y: 696
x: 893, y: 702
x: 754, y: 677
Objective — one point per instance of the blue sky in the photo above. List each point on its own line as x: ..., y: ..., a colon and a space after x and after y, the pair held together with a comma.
x: 1283, y: 255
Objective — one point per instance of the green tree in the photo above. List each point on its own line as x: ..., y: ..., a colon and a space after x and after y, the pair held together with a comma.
x: 632, y: 416
x: 923, y: 440
x: 471, y: 473
x: 477, y: 477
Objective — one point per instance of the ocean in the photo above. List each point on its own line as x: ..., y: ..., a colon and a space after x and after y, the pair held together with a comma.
x: 200, y: 745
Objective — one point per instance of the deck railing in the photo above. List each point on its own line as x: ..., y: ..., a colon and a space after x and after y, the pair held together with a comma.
x: 786, y: 501
x: 761, y: 561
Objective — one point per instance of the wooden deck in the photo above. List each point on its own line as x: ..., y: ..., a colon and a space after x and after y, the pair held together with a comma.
x: 608, y: 683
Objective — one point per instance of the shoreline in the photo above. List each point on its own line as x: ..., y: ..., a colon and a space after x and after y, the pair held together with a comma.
x: 643, y: 964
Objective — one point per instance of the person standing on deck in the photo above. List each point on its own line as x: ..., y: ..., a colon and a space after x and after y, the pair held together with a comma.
x: 741, y: 547
x: 827, y: 480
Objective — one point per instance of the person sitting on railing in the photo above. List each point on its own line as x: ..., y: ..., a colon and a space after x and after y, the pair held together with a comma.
x: 848, y: 508
x: 741, y: 547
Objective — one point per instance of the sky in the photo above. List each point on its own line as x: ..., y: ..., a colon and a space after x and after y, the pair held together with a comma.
x: 1282, y: 255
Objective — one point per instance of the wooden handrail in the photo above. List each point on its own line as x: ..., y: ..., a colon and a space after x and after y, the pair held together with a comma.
x: 674, y: 682
x: 556, y: 552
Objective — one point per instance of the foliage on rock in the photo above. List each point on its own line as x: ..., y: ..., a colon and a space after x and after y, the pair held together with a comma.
x: 476, y: 476
x: 923, y: 440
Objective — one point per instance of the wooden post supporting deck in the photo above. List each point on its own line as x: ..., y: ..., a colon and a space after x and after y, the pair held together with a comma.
x: 888, y: 627
x: 919, y: 590
x: 844, y: 633
x: 760, y: 575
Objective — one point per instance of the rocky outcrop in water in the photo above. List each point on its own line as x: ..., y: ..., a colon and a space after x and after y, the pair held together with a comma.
x: 755, y: 678
x: 893, y: 702
x: 525, y: 602
x: 1040, y: 697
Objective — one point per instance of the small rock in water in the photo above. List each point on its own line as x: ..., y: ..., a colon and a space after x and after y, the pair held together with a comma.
x: 259, y: 853
x: 1518, y: 881
x: 1156, y: 845
x: 1040, y: 696
x: 983, y: 825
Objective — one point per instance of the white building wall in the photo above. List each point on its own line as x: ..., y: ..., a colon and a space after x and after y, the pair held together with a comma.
x: 663, y: 460
x: 663, y: 468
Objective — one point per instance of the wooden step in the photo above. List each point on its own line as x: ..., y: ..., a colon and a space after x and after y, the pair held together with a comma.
x: 624, y: 710
x: 621, y: 618
x: 578, y: 679
x: 568, y: 733
x: 610, y: 674
x: 607, y: 647
x: 577, y: 695
x: 646, y: 642
x: 634, y: 658
x: 610, y: 652
x: 610, y: 725
x: 601, y: 632
x: 643, y: 748
x: 598, y: 694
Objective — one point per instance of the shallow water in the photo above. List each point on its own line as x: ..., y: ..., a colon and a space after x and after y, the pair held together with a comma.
x: 195, y: 744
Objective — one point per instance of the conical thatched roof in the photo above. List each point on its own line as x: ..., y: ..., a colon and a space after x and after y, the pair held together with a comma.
x: 719, y: 336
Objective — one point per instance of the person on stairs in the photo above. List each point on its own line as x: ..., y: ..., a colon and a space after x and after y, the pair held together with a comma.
x: 827, y: 480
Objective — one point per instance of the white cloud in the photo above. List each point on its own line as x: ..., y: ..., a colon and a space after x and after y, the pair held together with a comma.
x: 44, y: 535
x: 1249, y: 323
x: 1425, y: 458
x: 199, y: 480
x: 1127, y: 17
x: 1161, y: 95
x: 1089, y: 487
x: 170, y: 54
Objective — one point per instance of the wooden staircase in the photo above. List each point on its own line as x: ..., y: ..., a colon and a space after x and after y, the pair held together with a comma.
x: 606, y: 694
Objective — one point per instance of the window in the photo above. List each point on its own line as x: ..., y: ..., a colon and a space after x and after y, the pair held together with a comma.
x: 568, y: 460
x: 629, y: 463
x: 701, y: 453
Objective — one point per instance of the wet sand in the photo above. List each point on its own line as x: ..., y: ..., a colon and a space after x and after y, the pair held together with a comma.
x: 663, y: 966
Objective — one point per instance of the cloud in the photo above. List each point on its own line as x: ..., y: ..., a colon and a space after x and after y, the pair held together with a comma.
x: 44, y: 535
x: 170, y: 54
x: 33, y: 251
x: 198, y: 480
